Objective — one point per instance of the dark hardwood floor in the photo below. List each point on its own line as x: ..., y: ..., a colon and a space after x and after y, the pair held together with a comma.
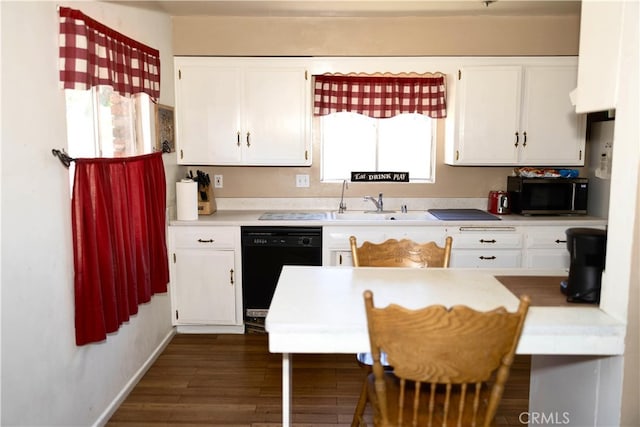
x: 233, y: 380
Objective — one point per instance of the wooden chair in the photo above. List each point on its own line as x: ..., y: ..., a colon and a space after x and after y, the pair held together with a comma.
x: 449, y: 365
x: 400, y: 253
x: 393, y: 253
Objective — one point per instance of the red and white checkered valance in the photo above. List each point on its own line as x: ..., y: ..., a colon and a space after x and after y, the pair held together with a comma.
x: 93, y: 54
x: 380, y: 97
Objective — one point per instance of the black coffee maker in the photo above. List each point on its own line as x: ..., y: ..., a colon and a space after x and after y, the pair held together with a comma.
x: 587, y: 248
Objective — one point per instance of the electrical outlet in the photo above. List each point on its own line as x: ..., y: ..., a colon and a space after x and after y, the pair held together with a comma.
x: 302, y: 180
x: 217, y: 181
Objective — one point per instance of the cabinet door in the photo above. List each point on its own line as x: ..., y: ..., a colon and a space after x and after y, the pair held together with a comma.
x: 552, y: 133
x: 600, y: 55
x: 204, y: 287
x: 207, y: 113
x: 546, y: 259
x: 489, y: 112
x: 546, y: 247
x: 276, y: 116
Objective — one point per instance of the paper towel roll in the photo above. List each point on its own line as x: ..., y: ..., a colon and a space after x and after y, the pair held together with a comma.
x: 187, y: 200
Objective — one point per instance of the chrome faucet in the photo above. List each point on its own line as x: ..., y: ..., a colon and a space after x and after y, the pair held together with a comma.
x: 378, y: 203
x: 343, y: 206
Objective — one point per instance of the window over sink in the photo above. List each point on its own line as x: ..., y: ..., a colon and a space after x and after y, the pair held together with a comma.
x: 378, y: 122
x: 355, y: 142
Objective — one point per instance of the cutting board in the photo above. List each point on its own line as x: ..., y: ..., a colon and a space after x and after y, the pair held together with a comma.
x: 463, y: 215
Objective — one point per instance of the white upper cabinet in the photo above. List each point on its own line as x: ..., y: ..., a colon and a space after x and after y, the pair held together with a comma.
x: 516, y: 115
x: 599, y: 60
x: 552, y: 133
x: 232, y: 111
x: 488, y: 110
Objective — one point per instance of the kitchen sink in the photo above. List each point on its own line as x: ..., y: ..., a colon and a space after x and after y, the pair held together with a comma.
x: 383, y: 216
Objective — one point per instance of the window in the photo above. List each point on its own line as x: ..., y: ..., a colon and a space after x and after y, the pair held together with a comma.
x: 102, y: 123
x: 353, y: 142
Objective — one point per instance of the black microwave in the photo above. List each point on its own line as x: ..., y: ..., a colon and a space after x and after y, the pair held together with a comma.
x: 548, y: 196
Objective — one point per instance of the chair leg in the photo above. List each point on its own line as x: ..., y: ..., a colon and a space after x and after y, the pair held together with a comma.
x: 362, y: 403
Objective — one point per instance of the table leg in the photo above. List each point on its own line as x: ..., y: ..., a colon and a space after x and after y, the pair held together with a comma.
x: 286, y: 389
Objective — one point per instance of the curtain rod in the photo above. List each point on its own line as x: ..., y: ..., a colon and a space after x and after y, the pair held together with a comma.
x: 64, y: 158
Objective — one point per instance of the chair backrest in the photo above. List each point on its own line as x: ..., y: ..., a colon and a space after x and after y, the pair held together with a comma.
x: 402, y: 253
x: 449, y: 365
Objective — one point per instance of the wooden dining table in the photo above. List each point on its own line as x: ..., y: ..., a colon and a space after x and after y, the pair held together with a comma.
x: 321, y: 310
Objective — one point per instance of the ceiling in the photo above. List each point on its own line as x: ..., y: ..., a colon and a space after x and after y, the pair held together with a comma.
x: 358, y: 8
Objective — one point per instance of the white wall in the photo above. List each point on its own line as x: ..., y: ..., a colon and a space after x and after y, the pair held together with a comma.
x: 623, y: 245
x: 46, y: 378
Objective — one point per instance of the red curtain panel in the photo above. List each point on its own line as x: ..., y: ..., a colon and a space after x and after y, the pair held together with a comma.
x: 119, y: 237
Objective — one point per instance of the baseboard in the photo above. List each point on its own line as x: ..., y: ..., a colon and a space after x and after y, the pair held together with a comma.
x: 115, y: 404
x: 210, y: 329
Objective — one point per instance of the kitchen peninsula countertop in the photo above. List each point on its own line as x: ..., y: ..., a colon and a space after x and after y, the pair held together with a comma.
x: 251, y: 218
x: 552, y: 327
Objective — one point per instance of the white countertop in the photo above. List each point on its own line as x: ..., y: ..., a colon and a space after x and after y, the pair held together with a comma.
x: 321, y: 309
x: 250, y: 218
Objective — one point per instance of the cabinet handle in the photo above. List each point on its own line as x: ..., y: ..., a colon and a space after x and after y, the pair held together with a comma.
x: 248, y: 139
x: 205, y: 241
x: 486, y: 257
x: 487, y: 241
x: 560, y: 241
x: 517, y: 139
x: 238, y: 138
x: 340, y: 259
x: 524, y: 143
x: 231, y: 276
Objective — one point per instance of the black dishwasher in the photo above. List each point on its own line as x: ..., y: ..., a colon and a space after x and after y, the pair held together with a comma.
x: 264, y: 251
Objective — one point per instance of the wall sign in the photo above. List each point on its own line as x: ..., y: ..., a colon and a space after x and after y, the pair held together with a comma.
x: 379, y: 176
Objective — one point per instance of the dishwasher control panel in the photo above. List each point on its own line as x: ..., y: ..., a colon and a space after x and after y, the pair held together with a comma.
x: 282, y: 236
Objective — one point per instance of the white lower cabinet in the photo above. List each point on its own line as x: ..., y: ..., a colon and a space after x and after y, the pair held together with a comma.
x: 205, y: 274
x: 486, y: 247
x: 527, y: 246
x: 335, y: 240
x: 546, y: 247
